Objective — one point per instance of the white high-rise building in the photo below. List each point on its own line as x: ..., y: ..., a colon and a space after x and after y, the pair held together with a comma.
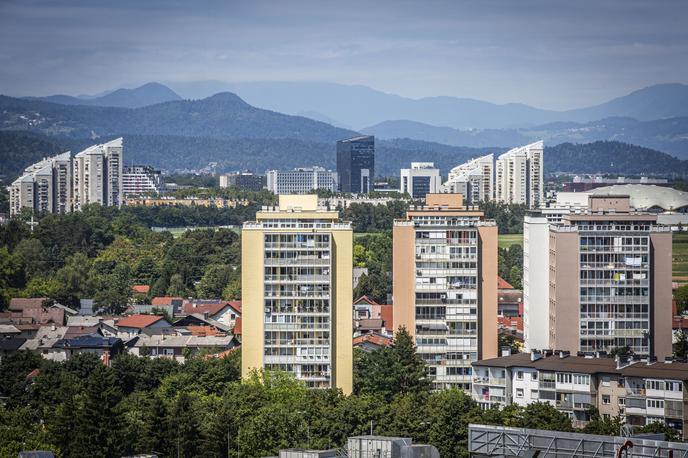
x: 44, y: 186
x: 519, y: 176
x: 473, y: 179
x: 141, y: 179
x: 97, y: 175
x: 421, y: 179
x: 301, y: 180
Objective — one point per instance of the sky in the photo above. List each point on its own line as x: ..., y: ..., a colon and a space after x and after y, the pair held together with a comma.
x: 545, y: 53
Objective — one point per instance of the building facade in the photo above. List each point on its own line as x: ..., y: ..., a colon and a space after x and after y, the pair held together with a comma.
x: 44, y: 187
x: 519, y: 176
x: 138, y: 180
x: 97, y: 175
x: 609, y: 281
x: 356, y: 164
x: 301, y: 181
x: 639, y: 391
x: 421, y: 179
x: 445, y: 286
x: 297, y: 288
x: 243, y: 180
x: 474, y: 180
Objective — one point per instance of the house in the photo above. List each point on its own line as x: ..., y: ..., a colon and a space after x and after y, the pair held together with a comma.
x: 225, y: 312
x: 10, y: 345
x: 45, y: 339
x: 201, y: 320
x: 365, y: 310
x: 509, y: 299
x: 372, y: 341
x: 142, y: 290
x: 135, y: 324
x: 35, y: 310
x: 8, y: 330
x: 104, y: 325
x: 168, y: 301
x: 104, y: 347
x: 512, y: 326
x: 180, y: 347
x: 237, y: 329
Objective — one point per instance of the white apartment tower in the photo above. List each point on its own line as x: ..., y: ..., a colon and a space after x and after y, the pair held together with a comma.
x: 421, y: 179
x: 301, y: 180
x: 97, y: 175
x: 44, y: 187
x: 519, y: 176
x: 473, y: 179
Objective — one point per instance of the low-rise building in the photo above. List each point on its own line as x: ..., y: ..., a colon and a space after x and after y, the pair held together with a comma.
x: 421, y: 179
x: 639, y: 391
x: 179, y: 347
x: 246, y: 181
x: 135, y: 324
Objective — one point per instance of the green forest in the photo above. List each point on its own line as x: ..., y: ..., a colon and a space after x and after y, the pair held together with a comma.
x: 201, y: 408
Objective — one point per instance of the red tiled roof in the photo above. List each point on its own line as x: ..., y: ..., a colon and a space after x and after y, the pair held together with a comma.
x: 140, y: 289
x: 366, y: 299
x: 375, y: 339
x: 138, y: 321
x: 237, y: 327
x: 204, y: 331
x: 164, y: 300
x: 510, y: 322
x: 20, y: 303
x: 236, y: 305
x: 387, y: 315
x: 503, y: 284
x: 680, y: 322
x: 210, y: 309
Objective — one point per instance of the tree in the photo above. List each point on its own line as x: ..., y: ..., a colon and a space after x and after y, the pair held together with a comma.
x: 540, y: 415
x: 98, y: 419
x: 32, y: 254
x: 658, y: 427
x: 681, y: 297
x: 623, y: 352
x: 507, y: 340
x: 681, y: 345
x: 390, y: 371
x: 215, y: 279
x: 610, y: 426
x: 375, y: 285
x: 112, y: 286
x: 177, y: 286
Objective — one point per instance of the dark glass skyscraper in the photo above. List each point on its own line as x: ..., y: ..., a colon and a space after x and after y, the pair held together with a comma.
x: 356, y: 164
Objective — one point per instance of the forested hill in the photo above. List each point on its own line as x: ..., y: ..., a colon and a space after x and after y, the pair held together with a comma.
x: 221, y: 116
x: 612, y: 157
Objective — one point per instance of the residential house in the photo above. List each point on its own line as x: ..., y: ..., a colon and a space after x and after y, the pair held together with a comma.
x: 166, y: 301
x: 46, y: 338
x: 509, y: 299
x: 369, y: 316
x: 180, y: 347
x: 372, y: 341
x: 225, y: 312
x: 133, y: 325
x: 194, y: 321
x: 104, y: 347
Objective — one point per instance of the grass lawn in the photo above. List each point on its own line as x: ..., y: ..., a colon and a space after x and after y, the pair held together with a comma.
x: 506, y: 240
x: 680, y: 254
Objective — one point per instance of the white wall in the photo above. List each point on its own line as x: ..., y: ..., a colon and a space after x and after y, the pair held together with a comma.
x: 536, y: 282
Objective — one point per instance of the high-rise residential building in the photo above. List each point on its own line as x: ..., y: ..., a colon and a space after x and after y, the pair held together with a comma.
x: 97, y: 175
x: 421, y: 179
x: 356, y: 164
x: 247, y: 181
x: 445, y: 286
x: 297, y: 271
x: 519, y: 176
x: 608, y: 282
x: 474, y: 180
x: 301, y: 180
x: 141, y: 179
x: 44, y: 187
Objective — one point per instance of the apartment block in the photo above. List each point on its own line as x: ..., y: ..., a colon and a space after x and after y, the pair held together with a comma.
x: 356, y: 164
x: 301, y: 180
x: 474, y: 180
x: 519, y: 176
x: 297, y: 267
x: 44, y: 187
x: 640, y: 390
x: 97, y: 175
x: 242, y: 180
x: 445, y: 286
x: 421, y: 179
x: 138, y: 180
x: 596, y: 276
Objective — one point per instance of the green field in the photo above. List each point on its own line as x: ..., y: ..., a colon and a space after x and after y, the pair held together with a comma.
x: 506, y: 240
x: 680, y: 255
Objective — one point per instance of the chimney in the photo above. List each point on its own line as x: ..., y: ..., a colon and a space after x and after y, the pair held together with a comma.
x: 52, y: 327
x: 651, y: 360
x: 506, y: 351
x: 668, y: 359
x: 535, y: 355
x: 564, y: 354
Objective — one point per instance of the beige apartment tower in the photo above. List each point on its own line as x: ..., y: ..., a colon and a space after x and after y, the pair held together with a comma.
x: 297, y: 293
x: 610, y: 280
x: 445, y: 286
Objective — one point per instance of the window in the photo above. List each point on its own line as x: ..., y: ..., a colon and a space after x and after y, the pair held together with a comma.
x: 655, y: 385
x: 605, y: 399
x: 519, y: 392
x: 655, y: 404
x: 622, y: 401
x: 579, y: 379
x: 563, y: 378
x: 533, y: 394
x: 534, y: 376
x: 605, y: 381
x: 519, y: 375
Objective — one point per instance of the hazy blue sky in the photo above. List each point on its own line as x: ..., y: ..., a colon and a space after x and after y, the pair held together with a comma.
x: 551, y: 54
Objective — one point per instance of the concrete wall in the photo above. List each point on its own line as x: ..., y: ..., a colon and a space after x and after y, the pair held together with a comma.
x: 661, y: 320
x: 564, y: 291
x: 252, y: 254
x: 342, y: 326
x: 487, y: 311
x: 536, y: 282
x: 404, y: 277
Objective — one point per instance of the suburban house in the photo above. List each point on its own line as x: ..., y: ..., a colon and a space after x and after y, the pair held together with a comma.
x: 104, y: 347
x: 372, y: 341
x: 180, y: 347
x: 135, y: 324
x: 369, y: 316
x: 225, y: 312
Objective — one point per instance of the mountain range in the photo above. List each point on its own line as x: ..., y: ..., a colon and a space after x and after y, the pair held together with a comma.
x: 360, y: 106
x: 148, y: 94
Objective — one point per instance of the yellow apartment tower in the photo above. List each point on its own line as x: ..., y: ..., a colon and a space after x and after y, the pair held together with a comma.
x: 297, y: 292
x: 445, y: 286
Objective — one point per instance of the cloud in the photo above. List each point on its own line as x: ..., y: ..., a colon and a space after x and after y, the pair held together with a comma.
x: 549, y: 54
